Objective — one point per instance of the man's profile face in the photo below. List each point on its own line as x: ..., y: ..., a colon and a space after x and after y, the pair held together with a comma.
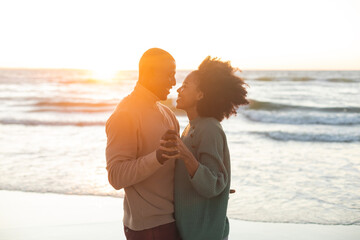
x: 164, y: 78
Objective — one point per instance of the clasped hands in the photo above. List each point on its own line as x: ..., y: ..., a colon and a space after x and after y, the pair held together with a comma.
x: 172, y: 147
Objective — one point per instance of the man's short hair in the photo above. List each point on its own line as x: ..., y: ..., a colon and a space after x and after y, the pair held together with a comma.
x: 152, y: 57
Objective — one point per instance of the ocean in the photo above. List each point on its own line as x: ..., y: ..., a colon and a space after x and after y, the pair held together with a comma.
x: 295, y: 150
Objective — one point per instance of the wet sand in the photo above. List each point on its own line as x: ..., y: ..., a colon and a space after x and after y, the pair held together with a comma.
x: 44, y: 216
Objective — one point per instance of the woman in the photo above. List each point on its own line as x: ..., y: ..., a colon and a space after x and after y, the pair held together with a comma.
x: 202, y: 172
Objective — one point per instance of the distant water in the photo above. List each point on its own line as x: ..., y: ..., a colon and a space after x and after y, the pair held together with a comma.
x: 295, y: 149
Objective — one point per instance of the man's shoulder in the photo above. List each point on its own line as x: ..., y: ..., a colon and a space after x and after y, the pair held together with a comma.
x: 124, y: 109
x: 126, y: 102
x: 129, y: 104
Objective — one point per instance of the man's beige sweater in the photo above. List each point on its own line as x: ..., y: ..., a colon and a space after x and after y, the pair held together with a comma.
x: 133, y: 133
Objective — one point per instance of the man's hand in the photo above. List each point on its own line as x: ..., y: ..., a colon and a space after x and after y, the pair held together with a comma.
x: 176, y: 144
x: 167, y: 149
x: 184, y: 154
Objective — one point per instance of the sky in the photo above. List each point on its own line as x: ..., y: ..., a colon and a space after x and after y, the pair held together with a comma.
x: 112, y: 35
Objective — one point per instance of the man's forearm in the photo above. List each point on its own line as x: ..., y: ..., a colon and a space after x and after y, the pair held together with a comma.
x: 124, y: 173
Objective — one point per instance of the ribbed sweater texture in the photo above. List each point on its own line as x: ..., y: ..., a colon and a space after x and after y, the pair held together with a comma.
x: 201, y: 201
x: 133, y: 133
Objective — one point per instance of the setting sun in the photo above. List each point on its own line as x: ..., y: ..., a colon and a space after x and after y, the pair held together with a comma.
x: 105, y: 74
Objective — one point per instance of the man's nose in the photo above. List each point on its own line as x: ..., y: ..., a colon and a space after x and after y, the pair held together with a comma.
x: 173, y: 81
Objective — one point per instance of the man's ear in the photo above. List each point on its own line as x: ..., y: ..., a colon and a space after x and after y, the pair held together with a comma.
x: 200, y: 95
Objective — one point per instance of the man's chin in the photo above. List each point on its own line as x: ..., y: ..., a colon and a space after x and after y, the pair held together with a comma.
x: 163, y: 98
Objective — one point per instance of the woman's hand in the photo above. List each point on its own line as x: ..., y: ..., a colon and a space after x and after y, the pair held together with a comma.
x: 184, y: 154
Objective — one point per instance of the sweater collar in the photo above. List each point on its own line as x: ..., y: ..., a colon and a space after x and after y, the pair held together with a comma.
x: 194, y: 121
x: 199, y: 120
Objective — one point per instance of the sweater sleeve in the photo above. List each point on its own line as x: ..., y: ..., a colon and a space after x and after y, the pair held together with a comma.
x: 123, y: 166
x: 211, y: 177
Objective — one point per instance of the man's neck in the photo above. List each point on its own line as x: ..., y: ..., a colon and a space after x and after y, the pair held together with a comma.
x: 146, y: 85
x: 144, y: 93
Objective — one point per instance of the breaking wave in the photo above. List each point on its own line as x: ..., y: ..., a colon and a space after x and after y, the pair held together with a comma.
x: 260, y: 105
x: 50, y: 123
x: 310, y: 137
x: 75, y: 104
x: 303, y: 79
x: 297, y: 117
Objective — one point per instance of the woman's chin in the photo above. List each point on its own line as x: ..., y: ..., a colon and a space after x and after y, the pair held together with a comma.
x: 178, y: 106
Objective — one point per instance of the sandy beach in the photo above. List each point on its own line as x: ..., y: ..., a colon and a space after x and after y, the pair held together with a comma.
x: 66, y: 66
x: 40, y: 216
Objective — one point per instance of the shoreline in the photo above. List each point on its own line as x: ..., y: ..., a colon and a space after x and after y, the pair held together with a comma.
x: 29, y: 215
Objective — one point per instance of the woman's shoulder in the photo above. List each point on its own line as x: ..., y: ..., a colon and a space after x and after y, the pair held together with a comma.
x: 209, y: 136
x: 206, y: 122
x: 209, y: 125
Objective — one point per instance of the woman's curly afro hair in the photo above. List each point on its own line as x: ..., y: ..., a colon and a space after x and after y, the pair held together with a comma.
x: 223, y: 91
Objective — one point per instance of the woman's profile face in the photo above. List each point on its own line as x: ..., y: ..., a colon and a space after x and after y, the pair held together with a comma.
x: 188, y: 93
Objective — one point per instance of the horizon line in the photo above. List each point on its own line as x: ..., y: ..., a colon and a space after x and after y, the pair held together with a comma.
x: 180, y: 69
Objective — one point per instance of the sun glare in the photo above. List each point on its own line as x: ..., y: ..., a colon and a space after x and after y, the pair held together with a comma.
x: 104, y: 74
x: 123, y: 31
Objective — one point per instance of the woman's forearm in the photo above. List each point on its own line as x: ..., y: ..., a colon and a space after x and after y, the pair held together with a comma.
x: 191, y: 164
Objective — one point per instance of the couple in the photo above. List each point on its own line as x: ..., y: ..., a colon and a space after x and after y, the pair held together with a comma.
x: 175, y: 188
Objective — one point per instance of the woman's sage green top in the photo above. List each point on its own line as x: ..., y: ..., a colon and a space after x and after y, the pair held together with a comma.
x: 201, y: 201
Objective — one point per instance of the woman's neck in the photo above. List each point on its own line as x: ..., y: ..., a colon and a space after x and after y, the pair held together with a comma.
x: 192, y: 113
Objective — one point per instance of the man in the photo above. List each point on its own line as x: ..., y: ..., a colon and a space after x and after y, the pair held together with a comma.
x: 134, y: 156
